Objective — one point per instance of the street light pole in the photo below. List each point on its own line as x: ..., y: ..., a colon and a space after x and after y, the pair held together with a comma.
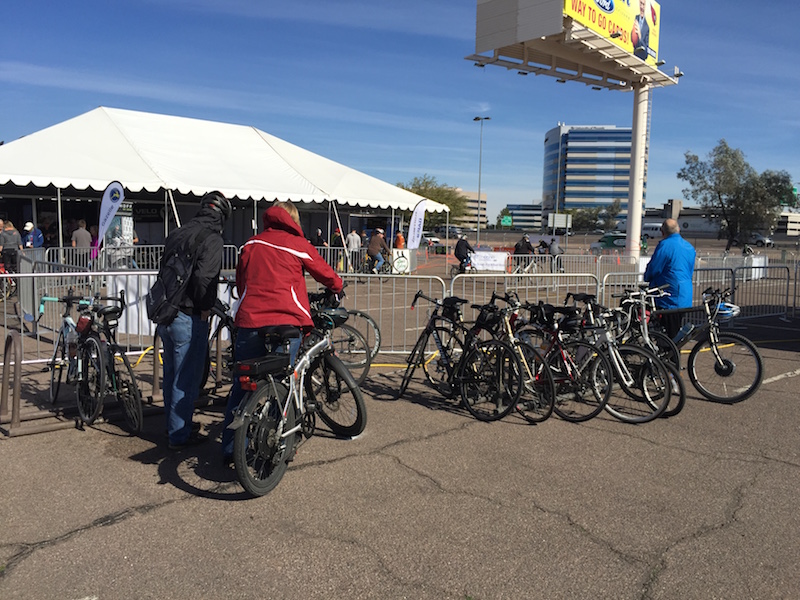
x: 480, y: 168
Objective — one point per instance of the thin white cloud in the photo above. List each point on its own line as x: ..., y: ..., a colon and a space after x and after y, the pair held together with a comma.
x: 440, y: 18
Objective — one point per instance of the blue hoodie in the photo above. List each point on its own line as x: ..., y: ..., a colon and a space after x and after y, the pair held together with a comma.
x: 672, y: 264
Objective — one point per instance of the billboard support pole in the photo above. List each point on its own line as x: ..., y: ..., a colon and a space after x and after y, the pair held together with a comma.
x: 641, y: 94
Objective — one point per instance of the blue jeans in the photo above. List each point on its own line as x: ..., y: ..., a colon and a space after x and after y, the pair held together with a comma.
x: 185, y: 342
x: 249, y: 344
x: 379, y: 260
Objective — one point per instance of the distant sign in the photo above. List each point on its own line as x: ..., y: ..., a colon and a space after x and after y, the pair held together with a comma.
x: 633, y: 25
x: 559, y: 220
x: 506, y: 221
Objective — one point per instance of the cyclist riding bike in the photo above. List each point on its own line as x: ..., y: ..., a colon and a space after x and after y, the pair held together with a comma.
x: 377, y: 245
x: 273, y: 295
x: 462, y: 252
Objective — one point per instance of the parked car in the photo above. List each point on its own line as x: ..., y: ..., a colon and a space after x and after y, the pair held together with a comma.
x: 428, y: 239
x: 613, y: 240
x: 756, y: 239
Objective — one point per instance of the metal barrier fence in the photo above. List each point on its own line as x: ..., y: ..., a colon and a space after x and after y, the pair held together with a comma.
x: 117, y: 258
x: 385, y: 298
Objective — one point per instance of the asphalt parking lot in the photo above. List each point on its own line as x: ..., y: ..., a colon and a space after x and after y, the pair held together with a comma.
x: 427, y: 503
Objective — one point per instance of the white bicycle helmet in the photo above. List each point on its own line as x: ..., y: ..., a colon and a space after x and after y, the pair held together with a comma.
x: 726, y: 311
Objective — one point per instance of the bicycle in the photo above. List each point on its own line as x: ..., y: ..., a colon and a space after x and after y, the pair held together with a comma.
x: 488, y: 373
x: 387, y: 268
x: 349, y: 345
x: 461, y: 268
x: 581, y: 373
x: 631, y: 321
x: 65, y: 349
x: 274, y: 412
x: 640, y: 373
x: 98, y: 371
x: 8, y: 285
x: 538, y: 392
x: 368, y: 327
x: 723, y: 366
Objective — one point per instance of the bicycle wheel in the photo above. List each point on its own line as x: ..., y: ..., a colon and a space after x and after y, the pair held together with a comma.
x: 663, y: 346
x: 735, y: 376
x: 91, y: 387
x: 127, y: 391
x: 490, y: 380
x: 538, y: 392
x: 646, y: 395
x: 352, y: 349
x: 677, y: 398
x: 583, y: 379
x: 454, y: 270
x: 261, y: 454
x: 415, y: 359
x: 439, y: 364
x: 339, y: 403
x: 57, y: 365
x: 368, y: 327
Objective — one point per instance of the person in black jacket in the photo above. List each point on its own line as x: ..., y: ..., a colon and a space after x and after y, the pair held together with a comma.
x: 185, y: 340
x: 523, y: 246
x: 462, y: 252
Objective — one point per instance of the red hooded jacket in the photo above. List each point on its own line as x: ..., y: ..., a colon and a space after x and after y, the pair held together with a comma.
x: 270, y: 278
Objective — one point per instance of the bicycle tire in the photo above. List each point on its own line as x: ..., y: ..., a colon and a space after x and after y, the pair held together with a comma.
x: 415, y: 359
x: 726, y: 382
x: 57, y: 365
x: 441, y: 366
x: 368, y: 327
x: 91, y: 387
x: 538, y: 393
x: 677, y: 399
x: 127, y: 392
x: 260, y: 455
x: 661, y: 344
x: 581, y: 394
x: 353, y: 350
x: 455, y: 270
x: 650, y: 393
x: 339, y: 403
x: 490, y: 378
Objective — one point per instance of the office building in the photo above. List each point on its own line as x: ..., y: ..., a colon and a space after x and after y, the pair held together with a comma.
x: 586, y: 166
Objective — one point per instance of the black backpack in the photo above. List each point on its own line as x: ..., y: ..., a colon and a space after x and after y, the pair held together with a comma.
x: 165, y: 296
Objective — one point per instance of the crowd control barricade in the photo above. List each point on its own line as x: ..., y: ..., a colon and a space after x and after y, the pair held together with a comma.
x: 767, y: 294
x: 387, y: 299
x: 551, y: 288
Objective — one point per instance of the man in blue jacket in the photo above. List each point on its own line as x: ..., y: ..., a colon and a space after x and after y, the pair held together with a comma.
x: 672, y: 264
x: 32, y: 237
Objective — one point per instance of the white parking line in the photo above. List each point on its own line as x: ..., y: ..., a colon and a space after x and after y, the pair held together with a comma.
x: 782, y: 376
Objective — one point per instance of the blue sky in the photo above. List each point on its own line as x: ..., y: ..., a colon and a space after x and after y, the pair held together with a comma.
x: 383, y: 87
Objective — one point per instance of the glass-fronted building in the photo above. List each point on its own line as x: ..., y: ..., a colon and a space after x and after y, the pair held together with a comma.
x: 586, y: 166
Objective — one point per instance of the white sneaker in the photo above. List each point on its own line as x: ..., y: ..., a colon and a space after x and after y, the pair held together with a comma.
x: 375, y: 271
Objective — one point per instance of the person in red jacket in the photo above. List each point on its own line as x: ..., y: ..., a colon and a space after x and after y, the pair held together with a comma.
x: 272, y: 294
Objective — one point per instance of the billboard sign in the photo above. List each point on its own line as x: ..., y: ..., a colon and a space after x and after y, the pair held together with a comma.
x: 634, y: 24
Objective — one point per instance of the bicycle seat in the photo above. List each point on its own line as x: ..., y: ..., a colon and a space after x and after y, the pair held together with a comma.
x: 265, y: 365
x: 453, y: 301
x: 279, y: 334
x: 581, y: 297
x: 110, y: 313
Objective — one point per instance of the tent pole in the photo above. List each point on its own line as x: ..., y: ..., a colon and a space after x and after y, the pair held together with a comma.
x: 255, y: 216
x: 347, y: 263
x: 392, y: 232
x: 174, y: 209
x: 60, y: 220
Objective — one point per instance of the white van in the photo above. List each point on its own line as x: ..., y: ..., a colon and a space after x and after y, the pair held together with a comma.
x: 651, y: 230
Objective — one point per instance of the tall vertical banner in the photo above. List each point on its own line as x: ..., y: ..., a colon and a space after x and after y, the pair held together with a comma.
x: 415, y: 225
x: 112, y: 199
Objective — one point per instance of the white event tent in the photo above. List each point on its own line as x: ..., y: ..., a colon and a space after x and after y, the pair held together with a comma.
x: 153, y: 153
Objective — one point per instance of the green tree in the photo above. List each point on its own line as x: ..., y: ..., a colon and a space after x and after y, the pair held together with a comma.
x: 726, y: 185
x: 428, y: 187
x: 609, y: 215
x: 503, y: 213
x: 584, y: 219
